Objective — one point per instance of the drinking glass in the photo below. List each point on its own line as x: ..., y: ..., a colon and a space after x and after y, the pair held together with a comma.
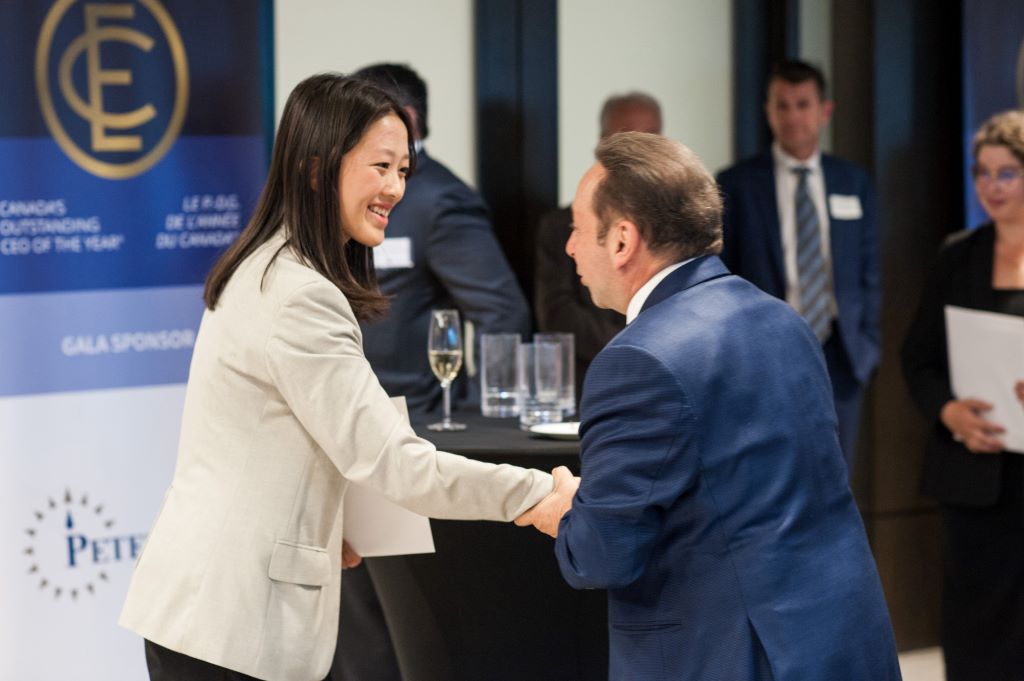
x: 499, y: 374
x: 444, y: 350
x: 540, y: 378
x: 567, y: 391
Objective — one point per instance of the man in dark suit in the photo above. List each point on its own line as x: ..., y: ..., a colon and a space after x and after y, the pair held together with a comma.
x: 440, y: 252
x: 802, y: 225
x: 561, y: 303
x: 713, y: 502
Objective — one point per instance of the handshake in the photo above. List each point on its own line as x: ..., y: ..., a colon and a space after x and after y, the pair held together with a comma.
x: 546, y: 513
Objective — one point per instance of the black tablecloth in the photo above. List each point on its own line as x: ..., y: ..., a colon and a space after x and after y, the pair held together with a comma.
x: 490, y: 604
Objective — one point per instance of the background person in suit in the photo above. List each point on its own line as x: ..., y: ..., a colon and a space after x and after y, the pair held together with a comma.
x: 802, y: 225
x: 714, y: 504
x: 241, y: 572
x: 440, y: 252
x: 560, y: 302
x: 979, y: 487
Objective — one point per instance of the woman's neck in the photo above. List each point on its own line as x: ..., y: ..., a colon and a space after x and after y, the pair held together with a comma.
x: 1010, y: 233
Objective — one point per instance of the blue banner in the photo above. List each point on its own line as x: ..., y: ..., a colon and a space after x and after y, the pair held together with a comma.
x: 134, y: 140
x: 133, y: 145
x: 993, y: 76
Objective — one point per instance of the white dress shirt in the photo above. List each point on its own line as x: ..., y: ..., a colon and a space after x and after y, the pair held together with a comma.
x: 636, y: 303
x: 785, y: 193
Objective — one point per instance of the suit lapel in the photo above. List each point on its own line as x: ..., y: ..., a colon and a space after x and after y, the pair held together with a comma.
x: 764, y: 194
x: 834, y: 185
x: 704, y: 268
x: 981, y: 263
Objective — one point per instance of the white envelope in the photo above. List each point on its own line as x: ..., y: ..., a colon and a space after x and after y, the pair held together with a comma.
x: 376, y: 526
x: 845, y: 207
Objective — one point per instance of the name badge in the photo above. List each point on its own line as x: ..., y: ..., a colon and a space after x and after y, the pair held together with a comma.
x: 844, y: 207
x: 393, y: 254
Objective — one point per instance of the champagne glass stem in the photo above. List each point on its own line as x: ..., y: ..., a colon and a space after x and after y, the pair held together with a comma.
x: 446, y: 387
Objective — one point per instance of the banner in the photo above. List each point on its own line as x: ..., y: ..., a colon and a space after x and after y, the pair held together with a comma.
x: 133, y: 145
x: 993, y: 77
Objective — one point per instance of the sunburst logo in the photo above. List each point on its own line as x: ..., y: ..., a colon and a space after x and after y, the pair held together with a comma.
x: 72, y: 543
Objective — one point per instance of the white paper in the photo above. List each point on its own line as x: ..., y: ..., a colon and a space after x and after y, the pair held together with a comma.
x: 845, y: 207
x: 376, y: 526
x: 392, y: 254
x: 986, y: 359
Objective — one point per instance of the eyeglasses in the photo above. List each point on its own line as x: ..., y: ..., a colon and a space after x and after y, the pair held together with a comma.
x: 1002, y: 178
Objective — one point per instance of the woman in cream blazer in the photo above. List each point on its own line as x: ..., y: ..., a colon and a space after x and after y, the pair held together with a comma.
x: 241, y: 573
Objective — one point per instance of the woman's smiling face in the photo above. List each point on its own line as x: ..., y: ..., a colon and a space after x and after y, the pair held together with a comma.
x: 372, y: 180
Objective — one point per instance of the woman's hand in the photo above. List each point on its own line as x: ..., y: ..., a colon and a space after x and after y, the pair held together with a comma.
x: 349, y: 558
x: 964, y: 420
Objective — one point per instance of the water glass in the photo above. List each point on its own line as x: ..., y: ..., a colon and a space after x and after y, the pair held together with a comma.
x: 540, y: 384
x: 499, y: 377
x: 567, y: 396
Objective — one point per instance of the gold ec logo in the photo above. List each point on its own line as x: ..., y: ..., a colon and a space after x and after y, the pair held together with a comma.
x: 114, y: 134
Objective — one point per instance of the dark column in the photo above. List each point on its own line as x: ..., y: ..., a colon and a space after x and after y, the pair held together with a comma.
x: 896, y: 73
x: 517, y: 120
x: 764, y: 32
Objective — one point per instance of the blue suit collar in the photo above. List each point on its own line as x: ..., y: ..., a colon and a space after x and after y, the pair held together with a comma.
x: 695, y: 272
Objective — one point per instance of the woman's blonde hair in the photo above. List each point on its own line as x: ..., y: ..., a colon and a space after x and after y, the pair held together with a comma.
x: 1005, y: 129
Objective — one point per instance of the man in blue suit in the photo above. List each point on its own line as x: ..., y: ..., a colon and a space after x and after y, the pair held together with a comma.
x: 713, y: 502
x: 764, y: 244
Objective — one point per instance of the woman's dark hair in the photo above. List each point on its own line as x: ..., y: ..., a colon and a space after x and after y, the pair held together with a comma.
x: 324, y: 118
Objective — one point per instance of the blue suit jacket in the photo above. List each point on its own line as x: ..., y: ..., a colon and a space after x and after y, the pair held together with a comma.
x: 456, y: 262
x: 753, y: 247
x: 714, y: 504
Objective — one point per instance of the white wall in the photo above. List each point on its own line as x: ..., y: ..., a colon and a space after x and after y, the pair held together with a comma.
x: 435, y: 38
x: 816, y: 46
x: 679, y: 51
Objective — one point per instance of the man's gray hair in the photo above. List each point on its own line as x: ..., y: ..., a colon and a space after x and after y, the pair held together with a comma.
x: 635, y: 98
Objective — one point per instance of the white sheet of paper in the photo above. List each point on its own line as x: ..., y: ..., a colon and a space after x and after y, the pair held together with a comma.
x: 376, y: 526
x: 986, y: 358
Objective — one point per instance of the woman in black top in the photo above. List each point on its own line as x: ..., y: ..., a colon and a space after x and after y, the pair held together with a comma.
x: 978, y: 486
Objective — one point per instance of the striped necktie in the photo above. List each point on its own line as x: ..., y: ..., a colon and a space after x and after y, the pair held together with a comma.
x: 812, y: 272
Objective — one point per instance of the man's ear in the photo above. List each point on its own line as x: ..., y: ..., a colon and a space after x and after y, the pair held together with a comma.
x: 314, y: 171
x: 624, y: 242
x: 828, y: 107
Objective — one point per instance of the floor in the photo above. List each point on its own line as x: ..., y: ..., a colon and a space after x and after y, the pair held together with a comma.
x: 922, y: 665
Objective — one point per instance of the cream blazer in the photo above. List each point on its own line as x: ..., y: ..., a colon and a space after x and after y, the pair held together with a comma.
x: 243, y: 565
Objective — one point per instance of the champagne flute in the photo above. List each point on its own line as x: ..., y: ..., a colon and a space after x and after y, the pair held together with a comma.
x: 444, y: 350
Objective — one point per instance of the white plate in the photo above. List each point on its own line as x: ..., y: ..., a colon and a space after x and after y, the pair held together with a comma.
x: 558, y: 431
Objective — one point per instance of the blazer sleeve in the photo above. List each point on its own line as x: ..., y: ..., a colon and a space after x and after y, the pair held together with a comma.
x: 637, y: 438
x: 464, y: 254
x: 314, y: 357
x: 924, y: 355
x: 561, y: 302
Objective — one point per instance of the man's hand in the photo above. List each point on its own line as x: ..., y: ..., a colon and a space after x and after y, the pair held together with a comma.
x: 547, y: 512
x: 349, y: 558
